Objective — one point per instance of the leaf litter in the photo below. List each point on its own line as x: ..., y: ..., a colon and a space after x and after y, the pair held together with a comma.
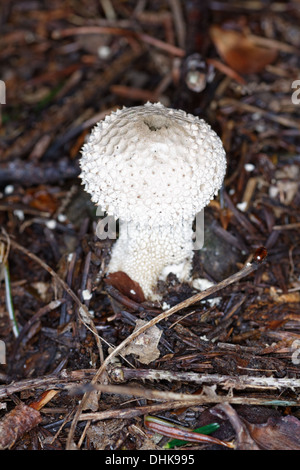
x: 230, y: 356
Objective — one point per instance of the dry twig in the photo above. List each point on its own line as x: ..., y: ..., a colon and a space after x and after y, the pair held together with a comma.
x: 227, y: 382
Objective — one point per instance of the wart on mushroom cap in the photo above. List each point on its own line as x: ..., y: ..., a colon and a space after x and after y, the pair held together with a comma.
x: 154, y: 168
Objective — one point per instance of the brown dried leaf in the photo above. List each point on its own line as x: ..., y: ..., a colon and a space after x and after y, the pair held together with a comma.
x: 126, y: 286
x: 44, y: 399
x: 278, y: 433
x: 145, y: 345
x: 239, y: 52
x: 40, y: 198
x: 92, y: 402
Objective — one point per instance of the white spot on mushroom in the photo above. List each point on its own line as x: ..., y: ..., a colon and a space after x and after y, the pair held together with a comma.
x: 202, y: 284
x: 9, y: 189
x: 242, y: 206
x: 249, y: 167
x: 86, y: 294
x: 61, y: 218
x: 51, y: 224
x: 165, y: 306
x: 19, y: 213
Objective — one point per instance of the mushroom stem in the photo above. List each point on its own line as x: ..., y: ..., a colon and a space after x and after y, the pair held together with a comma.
x: 144, y: 253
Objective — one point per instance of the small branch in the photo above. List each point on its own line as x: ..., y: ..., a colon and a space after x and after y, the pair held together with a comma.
x: 227, y: 382
x: 29, y: 173
x: 268, y: 114
x: 45, y: 382
x: 128, y: 413
x: 4, y: 273
x: 146, y: 38
x: 172, y: 400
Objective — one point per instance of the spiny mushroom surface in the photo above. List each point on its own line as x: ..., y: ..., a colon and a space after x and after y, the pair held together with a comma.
x: 154, y: 168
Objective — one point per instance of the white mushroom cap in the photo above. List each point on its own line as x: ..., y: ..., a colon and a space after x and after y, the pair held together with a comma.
x: 153, y: 167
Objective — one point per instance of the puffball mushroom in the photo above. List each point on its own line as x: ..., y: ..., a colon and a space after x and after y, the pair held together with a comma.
x: 153, y: 168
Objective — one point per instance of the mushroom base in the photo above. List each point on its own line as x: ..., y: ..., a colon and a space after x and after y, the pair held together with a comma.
x: 146, y: 254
